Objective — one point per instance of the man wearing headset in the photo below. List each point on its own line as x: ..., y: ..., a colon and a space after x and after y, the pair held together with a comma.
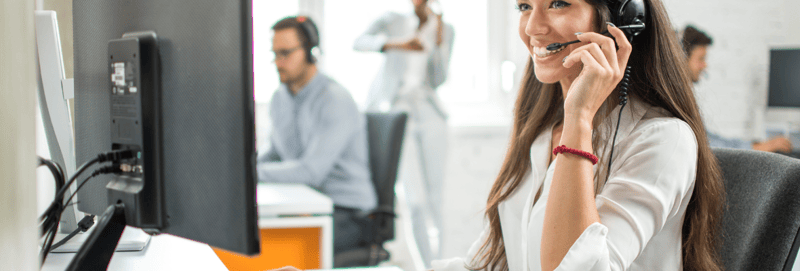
x: 319, y: 137
x: 695, y: 44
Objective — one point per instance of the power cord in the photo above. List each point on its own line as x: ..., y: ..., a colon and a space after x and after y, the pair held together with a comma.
x: 48, y: 226
x: 100, y: 171
x: 83, y: 226
x: 52, y: 216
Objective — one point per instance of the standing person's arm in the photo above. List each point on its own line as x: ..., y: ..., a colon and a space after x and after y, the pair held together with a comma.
x: 439, y: 62
x: 375, y: 38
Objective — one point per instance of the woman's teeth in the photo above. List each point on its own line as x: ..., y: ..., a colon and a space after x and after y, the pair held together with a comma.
x: 543, y: 52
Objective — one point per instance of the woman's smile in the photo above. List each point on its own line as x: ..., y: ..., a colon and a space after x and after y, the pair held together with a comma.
x: 542, y: 52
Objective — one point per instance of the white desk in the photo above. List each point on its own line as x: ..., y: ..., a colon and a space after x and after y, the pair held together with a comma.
x: 392, y: 268
x: 298, y: 206
x: 165, y: 252
x: 296, y: 227
x: 280, y: 206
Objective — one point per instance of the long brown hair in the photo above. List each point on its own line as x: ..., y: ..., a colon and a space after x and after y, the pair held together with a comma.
x: 660, y: 77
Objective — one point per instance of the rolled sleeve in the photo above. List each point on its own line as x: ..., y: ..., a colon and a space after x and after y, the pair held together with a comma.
x: 646, y: 189
x: 588, y: 252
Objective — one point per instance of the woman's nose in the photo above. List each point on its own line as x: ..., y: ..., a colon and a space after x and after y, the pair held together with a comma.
x: 537, y: 23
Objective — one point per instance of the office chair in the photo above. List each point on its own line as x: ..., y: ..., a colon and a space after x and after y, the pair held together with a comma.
x: 761, y: 222
x: 385, y: 135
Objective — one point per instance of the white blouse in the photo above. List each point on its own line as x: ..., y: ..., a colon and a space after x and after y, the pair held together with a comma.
x: 641, y: 207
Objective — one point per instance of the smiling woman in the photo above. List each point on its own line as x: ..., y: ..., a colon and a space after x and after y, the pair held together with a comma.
x: 657, y: 206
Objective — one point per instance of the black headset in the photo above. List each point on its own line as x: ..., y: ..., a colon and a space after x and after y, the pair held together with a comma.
x: 628, y: 13
x: 309, y: 30
x: 629, y: 16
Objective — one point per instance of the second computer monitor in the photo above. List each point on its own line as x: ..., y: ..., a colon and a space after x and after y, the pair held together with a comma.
x: 784, y: 78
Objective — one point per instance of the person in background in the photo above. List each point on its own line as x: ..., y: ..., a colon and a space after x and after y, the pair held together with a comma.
x: 319, y: 137
x: 695, y: 45
x: 417, y: 48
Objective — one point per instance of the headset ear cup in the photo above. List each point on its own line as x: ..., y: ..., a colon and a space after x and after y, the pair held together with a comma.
x: 631, y: 12
x: 310, y: 58
x: 311, y: 33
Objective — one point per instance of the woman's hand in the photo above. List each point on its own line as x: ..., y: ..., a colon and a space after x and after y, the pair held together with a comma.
x: 603, y: 69
x: 439, y: 30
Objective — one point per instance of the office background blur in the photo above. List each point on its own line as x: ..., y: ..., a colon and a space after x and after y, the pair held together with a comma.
x: 486, y: 67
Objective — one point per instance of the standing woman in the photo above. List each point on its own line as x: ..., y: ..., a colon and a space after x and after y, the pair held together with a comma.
x: 551, y: 207
x: 417, y: 48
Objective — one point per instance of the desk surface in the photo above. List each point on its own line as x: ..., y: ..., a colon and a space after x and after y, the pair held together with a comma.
x: 165, y: 252
x: 291, y: 199
x: 363, y: 269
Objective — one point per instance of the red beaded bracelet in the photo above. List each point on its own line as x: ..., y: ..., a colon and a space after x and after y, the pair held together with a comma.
x: 587, y: 155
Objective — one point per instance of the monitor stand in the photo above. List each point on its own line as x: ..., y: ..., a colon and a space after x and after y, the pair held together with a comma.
x: 96, y: 251
x: 133, y: 239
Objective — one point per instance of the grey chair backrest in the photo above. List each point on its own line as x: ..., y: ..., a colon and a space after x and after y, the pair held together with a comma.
x: 385, y: 133
x: 762, y: 217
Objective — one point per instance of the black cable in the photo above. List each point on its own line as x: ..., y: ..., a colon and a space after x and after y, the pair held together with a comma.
x: 46, y: 248
x: 83, y: 226
x: 623, y: 100
x: 52, y: 216
x: 50, y: 225
x: 64, y: 241
x: 103, y: 157
x: 55, y: 169
x: 103, y: 170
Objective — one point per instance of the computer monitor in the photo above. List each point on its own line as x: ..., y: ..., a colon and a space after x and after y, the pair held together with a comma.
x: 53, y: 92
x: 784, y: 78
x: 202, y: 126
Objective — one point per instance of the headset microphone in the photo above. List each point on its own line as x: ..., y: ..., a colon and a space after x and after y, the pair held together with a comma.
x: 556, y: 46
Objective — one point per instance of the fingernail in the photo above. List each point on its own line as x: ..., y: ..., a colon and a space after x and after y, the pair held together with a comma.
x: 578, y: 33
x: 611, y: 24
x: 564, y: 59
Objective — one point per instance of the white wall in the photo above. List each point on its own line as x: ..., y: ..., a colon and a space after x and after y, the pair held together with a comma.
x: 18, y: 231
x: 476, y: 154
x: 733, y: 94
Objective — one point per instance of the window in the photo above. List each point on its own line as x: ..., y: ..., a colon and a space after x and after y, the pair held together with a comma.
x: 485, y: 38
x: 265, y: 77
x: 354, y: 70
x: 468, y: 77
x: 485, y: 68
x: 265, y: 14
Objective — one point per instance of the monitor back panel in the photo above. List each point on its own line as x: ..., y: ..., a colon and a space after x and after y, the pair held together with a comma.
x: 207, y: 103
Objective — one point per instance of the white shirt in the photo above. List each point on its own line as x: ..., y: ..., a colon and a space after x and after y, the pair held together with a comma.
x: 641, y: 207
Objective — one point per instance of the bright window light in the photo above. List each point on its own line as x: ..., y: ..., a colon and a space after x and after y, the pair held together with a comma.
x: 265, y: 14
x: 507, y: 70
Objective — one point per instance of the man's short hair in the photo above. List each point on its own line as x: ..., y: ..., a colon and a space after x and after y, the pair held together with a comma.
x: 692, y: 37
x: 306, y: 30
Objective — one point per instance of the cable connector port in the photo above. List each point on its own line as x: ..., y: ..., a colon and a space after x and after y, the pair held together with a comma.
x: 115, y: 156
x: 86, y: 223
